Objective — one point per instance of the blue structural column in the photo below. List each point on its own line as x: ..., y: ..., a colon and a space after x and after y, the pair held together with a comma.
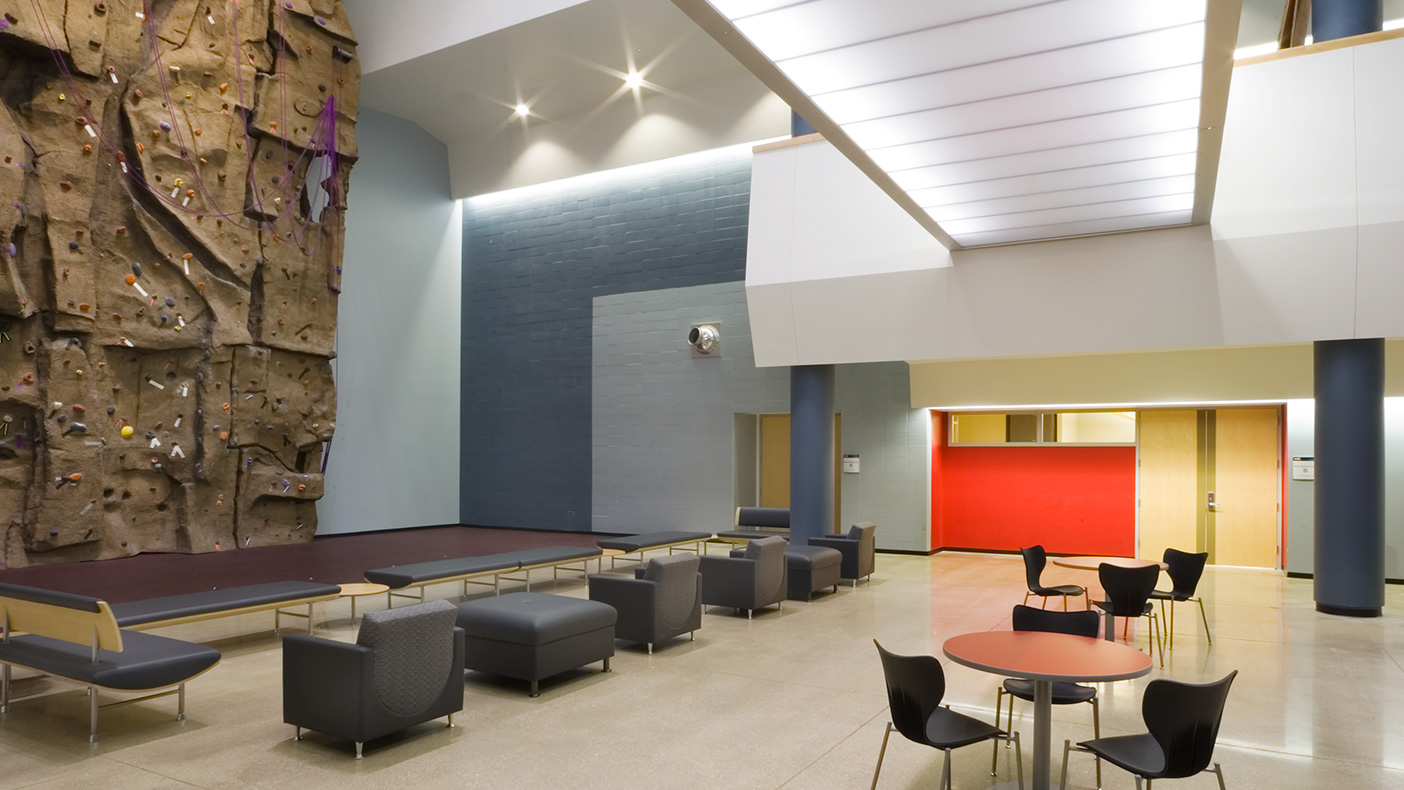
x: 1350, y: 537
x: 811, y: 452
x: 1332, y: 19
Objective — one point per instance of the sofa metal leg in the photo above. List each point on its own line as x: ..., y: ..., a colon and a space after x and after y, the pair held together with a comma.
x: 92, y: 714
x: 450, y: 721
x: 5, y: 689
x: 606, y: 665
x: 180, y: 709
x: 692, y: 636
x: 297, y: 733
x: 535, y: 688
x: 360, y: 745
x: 650, y: 648
x: 748, y: 614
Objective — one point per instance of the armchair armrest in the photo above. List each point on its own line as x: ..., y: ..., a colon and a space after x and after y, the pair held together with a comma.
x: 728, y: 581
x: 834, y: 542
x: 325, y: 684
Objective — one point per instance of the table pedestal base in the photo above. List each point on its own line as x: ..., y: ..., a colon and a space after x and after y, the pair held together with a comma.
x: 1043, y: 732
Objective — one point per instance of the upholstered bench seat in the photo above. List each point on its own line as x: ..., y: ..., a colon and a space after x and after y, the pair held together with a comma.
x: 530, y: 636
x: 552, y: 554
x: 146, y: 661
x: 811, y: 569
x: 649, y: 540
x: 751, y: 534
x: 397, y: 576
x: 193, y: 606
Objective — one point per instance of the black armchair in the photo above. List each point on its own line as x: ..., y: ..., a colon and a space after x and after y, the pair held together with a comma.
x: 748, y: 579
x: 1035, y: 560
x: 915, y: 687
x: 858, y: 547
x: 405, y: 668
x: 1183, y: 723
x: 664, y: 599
x: 1184, y: 570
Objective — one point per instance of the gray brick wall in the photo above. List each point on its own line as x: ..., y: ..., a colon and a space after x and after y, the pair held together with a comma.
x: 663, y: 422
x: 532, y: 262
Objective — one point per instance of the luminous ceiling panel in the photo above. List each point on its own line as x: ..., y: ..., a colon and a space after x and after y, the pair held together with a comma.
x: 1003, y: 120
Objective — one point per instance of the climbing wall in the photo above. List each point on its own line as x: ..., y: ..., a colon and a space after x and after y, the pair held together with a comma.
x: 172, y: 184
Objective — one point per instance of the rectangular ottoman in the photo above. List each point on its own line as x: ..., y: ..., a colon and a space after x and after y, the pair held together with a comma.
x: 530, y: 636
x: 811, y: 569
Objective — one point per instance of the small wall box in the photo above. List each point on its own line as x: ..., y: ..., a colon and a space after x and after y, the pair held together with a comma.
x: 1304, y: 467
x: 850, y: 464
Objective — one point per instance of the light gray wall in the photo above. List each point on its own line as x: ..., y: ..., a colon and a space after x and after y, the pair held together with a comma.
x: 394, y: 458
x: 663, y: 423
x: 1301, y: 432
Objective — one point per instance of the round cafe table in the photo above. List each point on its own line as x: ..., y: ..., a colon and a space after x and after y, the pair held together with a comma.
x: 1046, y: 658
x: 1092, y: 563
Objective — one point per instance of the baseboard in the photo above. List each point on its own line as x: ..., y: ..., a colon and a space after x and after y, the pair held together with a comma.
x: 911, y: 552
x: 1300, y: 575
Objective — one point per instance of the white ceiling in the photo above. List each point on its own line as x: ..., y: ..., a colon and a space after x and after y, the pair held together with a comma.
x: 566, y: 65
x: 997, y: 121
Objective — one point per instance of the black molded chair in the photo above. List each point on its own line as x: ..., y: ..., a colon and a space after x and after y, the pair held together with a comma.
x: 1026, y: 618
x: 1185, y: 570
x: 1128, y: 595
x: 915, y: 686
x: 1035, y: 560
x: 1183, y: 719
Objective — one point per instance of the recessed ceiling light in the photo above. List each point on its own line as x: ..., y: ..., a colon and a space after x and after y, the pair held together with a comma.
x: 523, y: 110
x: 633, y: 80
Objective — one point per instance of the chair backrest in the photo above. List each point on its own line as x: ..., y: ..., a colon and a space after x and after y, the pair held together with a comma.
x: 1128, y: 589
x: 769, y: 554
x: 773, y: 517
x: 413, y: 648
x: 1185, y: 570
x: 1027, y: 618
x: 676, y: 577
x: 915, y: 687
x: 865, y: 532
x: 1035, y: 558
x: 1184, y: 719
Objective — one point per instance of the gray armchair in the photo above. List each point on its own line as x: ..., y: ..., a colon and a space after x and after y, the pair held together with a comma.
x: 664, y: 599
x: 748, y: 579
x: 858, y: 547
x: 405, y: 668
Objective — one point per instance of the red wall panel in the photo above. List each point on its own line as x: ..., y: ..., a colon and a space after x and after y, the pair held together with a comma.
x: 1077, y: 500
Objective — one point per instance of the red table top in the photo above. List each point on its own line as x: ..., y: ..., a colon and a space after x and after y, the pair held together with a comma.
x: 1091, y: 563
x: 1036, y: 655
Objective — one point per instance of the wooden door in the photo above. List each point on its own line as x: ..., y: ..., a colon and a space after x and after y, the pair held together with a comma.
x: 775, y: 460
x: 1247, y: 480
x: 1169, y: 498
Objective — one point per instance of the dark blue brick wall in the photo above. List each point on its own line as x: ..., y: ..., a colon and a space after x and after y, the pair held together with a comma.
x: 532, y: 262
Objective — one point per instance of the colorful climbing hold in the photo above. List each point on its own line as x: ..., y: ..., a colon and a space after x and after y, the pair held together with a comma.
x: 127, y: 431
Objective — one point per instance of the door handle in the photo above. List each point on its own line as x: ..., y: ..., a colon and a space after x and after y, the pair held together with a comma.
x: 1213, y: 504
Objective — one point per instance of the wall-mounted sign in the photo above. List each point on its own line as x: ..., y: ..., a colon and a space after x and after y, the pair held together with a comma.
x: 1304, y: 467
x: 850, y: 464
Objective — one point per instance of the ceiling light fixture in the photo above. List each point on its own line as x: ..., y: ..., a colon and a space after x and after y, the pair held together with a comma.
x: 522, y: 110
x: 633, y: 80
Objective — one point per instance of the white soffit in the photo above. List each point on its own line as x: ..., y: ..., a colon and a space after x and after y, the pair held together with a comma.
x: 1002, y: 121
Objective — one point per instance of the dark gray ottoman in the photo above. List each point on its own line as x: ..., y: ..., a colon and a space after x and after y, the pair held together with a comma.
x: 811, y: 569
x: 531, y: 636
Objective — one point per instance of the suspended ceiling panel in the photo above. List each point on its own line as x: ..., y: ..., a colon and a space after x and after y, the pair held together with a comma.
x: 1001, y: 121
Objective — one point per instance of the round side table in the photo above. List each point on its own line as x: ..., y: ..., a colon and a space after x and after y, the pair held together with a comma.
x: 358, y: 589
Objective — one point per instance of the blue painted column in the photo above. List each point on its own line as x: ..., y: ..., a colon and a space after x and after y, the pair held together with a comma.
x: 1331, y: 19
x: 811, y: 452
x: 1350, y: 536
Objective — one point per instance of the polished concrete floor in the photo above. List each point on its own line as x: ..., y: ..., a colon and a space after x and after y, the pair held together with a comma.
x: 791, y: 699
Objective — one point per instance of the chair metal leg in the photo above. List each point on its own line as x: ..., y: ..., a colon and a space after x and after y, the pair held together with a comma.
x: 886, y: 733
x: 1138, y: 782
x: 1096, y: 733
x: 1063, y: 783
x: 994, y: 745
x: 1026, y: 597
x: 946, y: 771
x: 1172, y: 622
x: 1019, y: 759
x: 1205, y: 617
x: 1065, y: 603
x: 359, y: 746
x: 1219, y: 772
